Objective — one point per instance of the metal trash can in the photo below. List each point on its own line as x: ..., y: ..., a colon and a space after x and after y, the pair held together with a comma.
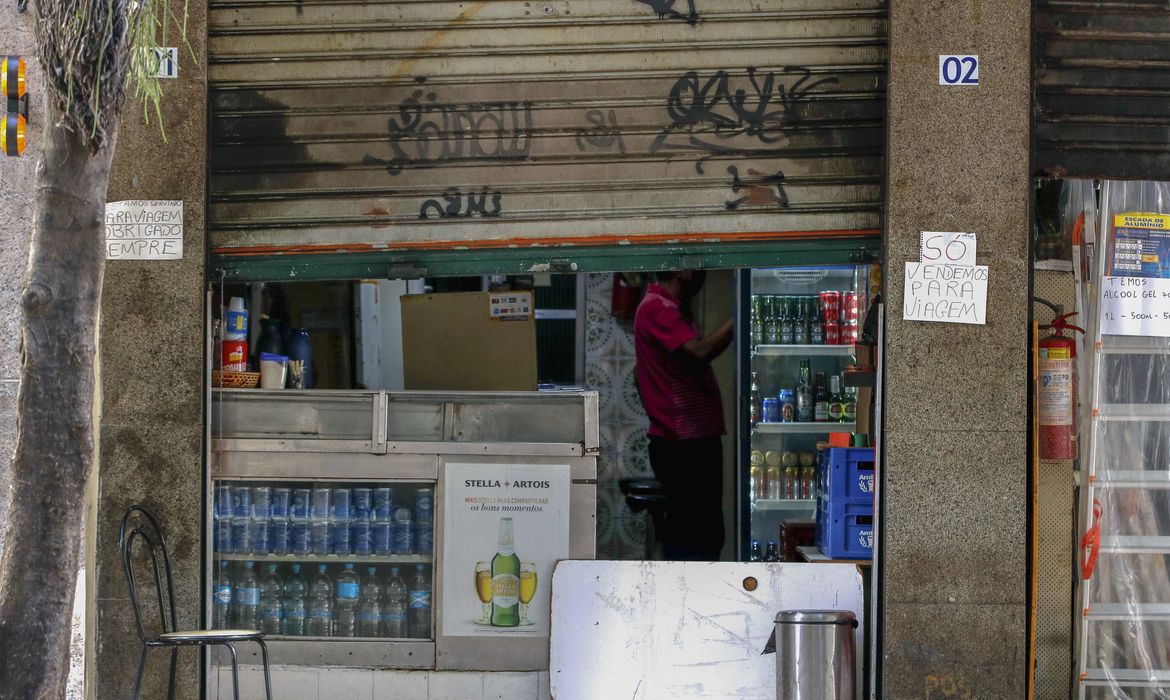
x: 815, y: 655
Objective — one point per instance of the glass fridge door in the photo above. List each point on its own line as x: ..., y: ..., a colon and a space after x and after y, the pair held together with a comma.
x: 803, y: 322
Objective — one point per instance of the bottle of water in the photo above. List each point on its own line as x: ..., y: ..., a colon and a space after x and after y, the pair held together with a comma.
x: 320, y: 528
x: 370, y: 606
x: 271, y: 605
x: 419, y: 616
x: 247, y: 599
x: 321, y: 605
x: 298, y: 515
x: 345, y: 605
x: 361, y: 534
x: 221, y: 599
x: 403, y: 532
x: 261, y: 513
x: 293, y: 624
x: 394, y: 601
x: 424, y: 521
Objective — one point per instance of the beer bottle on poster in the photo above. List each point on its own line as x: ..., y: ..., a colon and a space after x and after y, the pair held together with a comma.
x: 506, y: 579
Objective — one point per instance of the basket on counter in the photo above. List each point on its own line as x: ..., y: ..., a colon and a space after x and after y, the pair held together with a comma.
x: 234, y: 380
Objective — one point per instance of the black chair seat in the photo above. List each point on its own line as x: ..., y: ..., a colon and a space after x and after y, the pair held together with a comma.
x: 210, y: 636
x: 641, y: 487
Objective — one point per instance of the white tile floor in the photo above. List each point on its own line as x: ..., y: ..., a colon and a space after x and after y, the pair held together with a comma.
x: 364, y: 684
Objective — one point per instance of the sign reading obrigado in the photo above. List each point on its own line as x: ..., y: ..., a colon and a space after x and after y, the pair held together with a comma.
x: 507, y: 532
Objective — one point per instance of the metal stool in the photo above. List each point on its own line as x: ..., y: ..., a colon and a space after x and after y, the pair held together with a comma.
x: 647, y: 495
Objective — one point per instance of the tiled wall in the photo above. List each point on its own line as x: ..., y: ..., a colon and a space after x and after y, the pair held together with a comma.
x: 609, y: 369
x: 363, y: 684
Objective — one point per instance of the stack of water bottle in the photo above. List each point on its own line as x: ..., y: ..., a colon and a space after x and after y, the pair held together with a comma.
x: 362, y: 521
x: 346, y: 607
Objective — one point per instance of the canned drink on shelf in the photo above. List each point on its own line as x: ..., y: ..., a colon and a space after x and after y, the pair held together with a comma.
x: 241, y: 502
x: 851, y: 306
x: 235, y: 355
x: 787, y: 400
x: 383, y: 504
x: 832, y: 333
x: 849, y: 333
x: 771, y: 410
x: 280, y: 502
x: 830, y: 306
x: 261, y: 502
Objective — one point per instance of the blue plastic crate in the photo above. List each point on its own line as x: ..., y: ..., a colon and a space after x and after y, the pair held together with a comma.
x: 844, y: 530
x: 847, y: 475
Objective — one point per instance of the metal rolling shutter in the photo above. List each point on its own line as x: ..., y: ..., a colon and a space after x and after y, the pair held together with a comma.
x: 1103, y: 88
x: 340, y: 125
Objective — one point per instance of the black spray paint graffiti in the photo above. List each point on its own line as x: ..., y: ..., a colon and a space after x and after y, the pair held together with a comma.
x: 459, y: 205
x: 665, y: 8
x: 603, y: 134
x: 427, y: 132
x: 757, y: 190
x: 709, y: 116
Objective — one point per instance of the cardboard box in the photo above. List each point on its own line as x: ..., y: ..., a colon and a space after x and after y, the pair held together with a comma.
x: 469, y: 341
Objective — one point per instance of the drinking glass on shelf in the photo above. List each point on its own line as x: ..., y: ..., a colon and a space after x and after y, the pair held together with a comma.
x: 527, y: 589
x: 483, y: 589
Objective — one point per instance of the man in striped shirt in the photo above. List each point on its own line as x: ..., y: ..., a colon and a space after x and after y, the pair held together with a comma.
x: 681, y: 397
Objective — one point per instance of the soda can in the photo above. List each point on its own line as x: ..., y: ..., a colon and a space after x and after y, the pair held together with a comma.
x: 832, y: 333
x: 278, y: 536
x: 849, y: 333
x: 383, y: 537
x: 361, y: 536
x: 280, y: 503
x: 241, y: 539
x: 261, y: 502
x: 298, y: 538
x: 424, y: 507
x: 831, y: 306
x: 298, y: 510
x: 771, y: 410
x: 223, y: 536
x: 424, y: 539
x: 222, y: 503
x: 383, y: 504
x: 787, y: 400
x: 259, y: 536
x: 241, y: 502
x: 340, y: 505
x: 851, y: 303
x: 362, y: 502
x: 320, y: 504
x: 403, y: 532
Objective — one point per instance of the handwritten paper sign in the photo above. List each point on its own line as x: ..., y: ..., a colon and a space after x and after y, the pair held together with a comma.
x: 1135, y: 306
x: 945, y: 293
x: 144, y: 230
x: 947, y: 247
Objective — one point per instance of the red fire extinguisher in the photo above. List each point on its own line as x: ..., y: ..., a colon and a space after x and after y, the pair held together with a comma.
x: 1058, y: 391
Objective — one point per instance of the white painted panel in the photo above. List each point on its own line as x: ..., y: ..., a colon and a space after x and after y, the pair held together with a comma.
x: 348, y: 683
x: 401, y: 685
x: 453, y: 685
x: 667, y: 630
x: 510, y: 686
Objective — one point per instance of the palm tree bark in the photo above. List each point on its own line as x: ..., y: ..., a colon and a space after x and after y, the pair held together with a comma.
x: 54, y: 453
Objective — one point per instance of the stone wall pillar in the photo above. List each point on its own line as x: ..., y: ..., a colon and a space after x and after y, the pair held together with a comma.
x: 956, y: 396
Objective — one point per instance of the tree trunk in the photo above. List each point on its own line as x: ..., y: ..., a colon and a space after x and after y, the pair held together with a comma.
x: 56, y: 423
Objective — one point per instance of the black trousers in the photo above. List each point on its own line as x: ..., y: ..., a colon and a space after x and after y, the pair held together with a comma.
x: 691, y: 472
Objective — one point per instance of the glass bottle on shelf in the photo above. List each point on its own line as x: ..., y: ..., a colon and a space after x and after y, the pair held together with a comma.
x: 792, y: 481
x: 756, y: 472
x: 773, y: 551
x: 804, y: 323
x: 851, y: 404
x: 821, y: 400
x: 804, y: 393
x: 755, y: 400
x: 808, y: 482
x: 787, y: 321
x: 817, y: 328
x: 756, y: 555
x: 836, y: 400
x: 773, y: 474
x: 771, y: 314
x: 757, y: 320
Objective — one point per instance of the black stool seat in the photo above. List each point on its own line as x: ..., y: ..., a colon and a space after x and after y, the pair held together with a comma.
x: 638, y: 486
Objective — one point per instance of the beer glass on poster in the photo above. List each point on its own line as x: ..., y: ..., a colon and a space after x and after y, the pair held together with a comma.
x: 13, y: 79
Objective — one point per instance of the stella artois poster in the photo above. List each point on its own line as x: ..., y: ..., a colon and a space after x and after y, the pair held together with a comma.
x: 505, y: 528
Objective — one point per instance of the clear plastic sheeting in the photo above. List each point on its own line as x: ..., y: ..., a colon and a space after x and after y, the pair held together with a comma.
x: 1124, y: 649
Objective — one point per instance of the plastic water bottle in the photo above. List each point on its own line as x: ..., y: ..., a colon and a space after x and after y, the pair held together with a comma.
x: 345, y: 606
x: 221, y: 599
x: 261, y: 513
x: 341, y: 514
x: 298, y: 515
x: 247, y: 599
x: 394, y: 601
x: 370, y: 606
x: 295, y: 588
x: 383, y: 537
x: 321, y: 605
x: 424, y: 521
x: 259, y: 536
x: 241, y: 537
x: 403, y: 532
x: 271, y: 605
x: 418, y: 617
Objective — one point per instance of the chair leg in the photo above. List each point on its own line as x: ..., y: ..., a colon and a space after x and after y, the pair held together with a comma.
x: 235, y: 672
x: 267, y: 678
x: 138, y: 677
x: 174, y: 665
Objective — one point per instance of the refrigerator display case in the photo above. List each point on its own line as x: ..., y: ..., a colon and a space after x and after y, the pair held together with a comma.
x: 801, y: 326
x: 321, y: 502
